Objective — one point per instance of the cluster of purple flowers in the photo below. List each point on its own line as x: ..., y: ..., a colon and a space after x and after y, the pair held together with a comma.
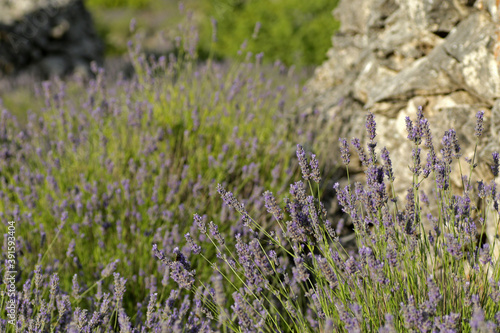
x: 297, y: 276
x: 102, y: 187
x: 109, y: 166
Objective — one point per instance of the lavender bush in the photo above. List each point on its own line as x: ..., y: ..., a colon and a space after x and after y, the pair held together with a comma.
x: 297, y: 277
x: 126, y: 195
x: 404, y: 277
x: 107, y: 167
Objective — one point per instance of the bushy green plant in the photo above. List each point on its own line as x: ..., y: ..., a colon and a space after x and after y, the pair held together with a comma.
x: 105, y: 168
x: 404, y: 277
x: 136, y: 4
x: 293, y: 31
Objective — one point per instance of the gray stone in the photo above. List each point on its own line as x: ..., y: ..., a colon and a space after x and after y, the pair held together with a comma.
x: 390, y: 57
x: 46, y: 37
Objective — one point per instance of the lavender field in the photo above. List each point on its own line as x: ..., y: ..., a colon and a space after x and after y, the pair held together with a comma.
x: 188, y: 198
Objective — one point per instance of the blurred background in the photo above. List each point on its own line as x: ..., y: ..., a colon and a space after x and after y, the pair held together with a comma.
x: 293, y: 31
x: 34, y: 34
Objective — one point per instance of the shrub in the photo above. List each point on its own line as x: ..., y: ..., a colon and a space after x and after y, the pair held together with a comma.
x: 296, y: 276
x: 136, y: 4
x: 293, y: 31
x: 109, y: 166
x: 109, y: 176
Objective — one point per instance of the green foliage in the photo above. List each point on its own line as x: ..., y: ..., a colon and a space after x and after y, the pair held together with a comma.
x: 136, y: 4
x: 294, y: 31
x: 165, y: 138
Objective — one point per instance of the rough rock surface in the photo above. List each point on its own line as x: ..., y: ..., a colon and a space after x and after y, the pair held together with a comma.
x: 47, y: 37
x: 391, y: 56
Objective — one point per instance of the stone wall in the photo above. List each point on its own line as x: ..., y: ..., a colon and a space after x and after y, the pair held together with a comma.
x: 391, y: 56
x: 47, y: 37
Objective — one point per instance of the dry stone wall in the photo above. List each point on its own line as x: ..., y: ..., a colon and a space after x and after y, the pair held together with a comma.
x: 47, y: 37
x: 392, y: 56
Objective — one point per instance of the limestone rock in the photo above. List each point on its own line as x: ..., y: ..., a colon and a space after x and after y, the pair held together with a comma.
x: 46, y: 37
x: 392, y: 56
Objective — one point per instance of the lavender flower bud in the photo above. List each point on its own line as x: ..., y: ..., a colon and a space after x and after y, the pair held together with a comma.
x: 200, y: 223
x: 344, y: 151
x: 194, y: 247
x: 496, y: 164
x: 327, y: 271
x: 160, y: 255
x: 387, y: 164
x: 240, y: 309
x: 315, y: 174
x: 110, y: 268
x: 272, y: 206
x: 361, y: 152
x: 220, y: 296
x: 299, y: 271
x: 76, y: 287
x: 301, y: 155
x: 479, y: 124
x: 214, y: 230
x: 119, y: 288
x: 371, y: 126
x: 150, y: 312
x: 298, y: 191
x: 124, y: 322
x: 231, y: 201
x: 54, y: 283
x: 71, y: 248
x: 409, y: 129
x: 426, y: 132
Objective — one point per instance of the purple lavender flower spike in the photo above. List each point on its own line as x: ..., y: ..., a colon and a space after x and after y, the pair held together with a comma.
x: 315, y: 174
x: 200, y: 223
x: 478, y: 322
x: 240, y: 309
x: 272, y: 206
x: 496, y: 164
x: 194, y: 247
x: 119, y: 288
x: 415, y: 153
x: 431, y: 156
x: 387, y: 164
x: 159, y: 255
x: 214, y: 230
x: 231, y: 201
x: 361, y: 152
x: 180, y: 275
x: 389, y: 324
x: 447, y: 323
x: 453, y: 246
x: 109, y: 268
x: 479, y: 124
x: 344, y: 151
x: 297, y: 190
x: 409, y: 128
x: 304, y: 167
x: 484, y: 254
x: 299, y: 270
x: 442, y: 176
x: 371, y: 126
